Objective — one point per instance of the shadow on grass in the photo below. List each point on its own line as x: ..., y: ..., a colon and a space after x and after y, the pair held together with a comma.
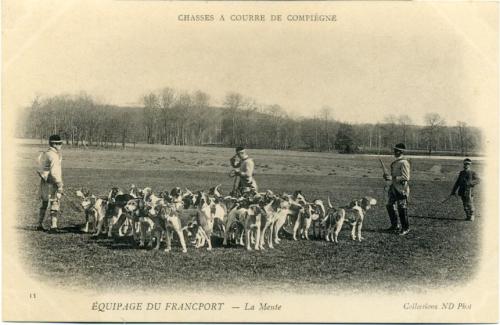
x: 218, y: 242
x: 437, y: 218
x: 128, y: 242
x: 378, y: 230
x: 116, y: 243
x: 75, y: 229
x: 28, y: 228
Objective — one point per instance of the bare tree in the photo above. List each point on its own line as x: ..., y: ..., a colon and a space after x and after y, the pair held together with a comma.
x: 151, y: 104
x: 201, y: 103
x: 404, y: 122
x: 434, y: 124
x: 463, y: 137
x: 274, y: 132
x: 182, y: 113
x: 166, y: 101
x: 233, y: 102
x: 326, y: 113
x: 389, y: 130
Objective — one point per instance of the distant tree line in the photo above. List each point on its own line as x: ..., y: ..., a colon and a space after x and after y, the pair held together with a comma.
x: 181, y: 118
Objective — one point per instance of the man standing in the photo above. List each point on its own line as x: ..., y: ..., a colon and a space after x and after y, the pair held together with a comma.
x: 243, y: 167
x: 465, y: 183
x: 51, y: 185
x: 399, y: 190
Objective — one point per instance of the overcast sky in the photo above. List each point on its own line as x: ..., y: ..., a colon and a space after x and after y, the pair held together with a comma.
x: 377, y: 59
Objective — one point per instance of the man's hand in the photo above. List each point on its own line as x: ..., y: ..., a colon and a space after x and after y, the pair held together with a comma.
x: 60, y: 190
x: 234, y: 161
x: 387, y: 177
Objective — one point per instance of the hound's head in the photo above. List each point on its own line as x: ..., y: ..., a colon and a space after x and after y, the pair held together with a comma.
x: 284, y: 203
x: 286, y: 197
x: 215, y: 191
x: 88, y: 202
x: 156, y: 209
x: 134, y: 191
x: 367, y: 202
x: 87, y: 199
x: 80, y: 194
x: 254, y: 210
x: 319, y: 207
x: 206, y: 199
x: 140, y: 193
x: 278, y: 203
x: 114, y: 192
x: 256, y: 199
x: 265, y: 199
x: 147, y: 191
x: 83, y: 192
x: 270, y: 194
x: 201, y: 199
x: 267, y: 195
x: 189, y: 199
x: 132, y: 206
x: 243, y: 202
x: 299, y: 198
x: 167, y: 197
x: 176, y: 192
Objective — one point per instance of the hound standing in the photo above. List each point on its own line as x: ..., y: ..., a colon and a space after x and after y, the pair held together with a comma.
x: 51, y: 184
x: 399, y: 190
x: 465, y: 183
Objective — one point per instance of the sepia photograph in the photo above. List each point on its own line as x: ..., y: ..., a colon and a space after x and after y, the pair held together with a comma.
x: 171, y: 161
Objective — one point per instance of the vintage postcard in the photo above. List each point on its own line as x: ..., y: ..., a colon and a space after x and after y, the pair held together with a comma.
x: 268, y: 161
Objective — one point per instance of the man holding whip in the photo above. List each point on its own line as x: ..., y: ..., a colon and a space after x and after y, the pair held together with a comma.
x: 398, y: 190
x: 243, y: 167
x: 464, y: 184
x: 51, y: 185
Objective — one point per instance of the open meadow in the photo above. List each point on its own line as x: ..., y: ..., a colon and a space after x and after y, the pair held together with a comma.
x: 441, y: 250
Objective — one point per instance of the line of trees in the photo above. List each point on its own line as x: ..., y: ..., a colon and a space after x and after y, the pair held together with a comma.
x: 80, y: 120
x: 182, y: 118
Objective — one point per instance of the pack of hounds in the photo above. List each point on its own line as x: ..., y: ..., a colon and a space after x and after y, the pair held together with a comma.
x: 251, y: 220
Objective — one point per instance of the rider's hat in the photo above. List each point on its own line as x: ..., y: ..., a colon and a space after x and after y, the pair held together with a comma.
x: 400, y: 146
x: 55, y: 139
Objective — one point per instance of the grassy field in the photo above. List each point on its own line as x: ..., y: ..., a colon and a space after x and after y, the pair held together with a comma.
x: 441, y: 250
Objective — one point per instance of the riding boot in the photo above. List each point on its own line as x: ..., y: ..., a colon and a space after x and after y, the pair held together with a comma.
x: 41, y: 216
x: 392, y: 216
x: 403, y: 217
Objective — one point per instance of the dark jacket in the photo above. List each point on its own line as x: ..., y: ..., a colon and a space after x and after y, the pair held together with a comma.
x: 466, y: 180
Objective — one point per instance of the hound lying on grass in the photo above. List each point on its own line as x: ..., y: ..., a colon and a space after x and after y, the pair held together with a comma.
x: 354, y: 213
